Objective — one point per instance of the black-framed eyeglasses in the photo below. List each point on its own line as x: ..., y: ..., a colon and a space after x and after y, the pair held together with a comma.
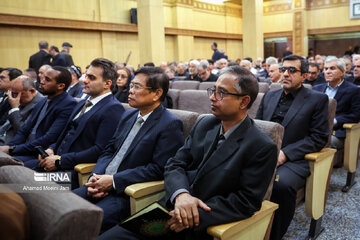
x: 291, y: 70
x: 219, y: 95
x: 137, y: 86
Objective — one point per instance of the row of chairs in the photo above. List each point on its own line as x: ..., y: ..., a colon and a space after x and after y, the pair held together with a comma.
x: 259, y: 225
x: 195, y: 85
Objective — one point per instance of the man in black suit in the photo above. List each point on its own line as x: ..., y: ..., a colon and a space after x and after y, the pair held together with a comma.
x: 40, y: 58
x: 222, y: 172
x: 7, y: 75
x: 205, y: 73
x: 65, y: 52
x: 314, y: 76
x: 145, y: 139
x: 22, y: 98
x: 357, y: 72
x: 304, y: 115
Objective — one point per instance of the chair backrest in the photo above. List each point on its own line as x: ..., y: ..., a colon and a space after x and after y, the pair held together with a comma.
x: 170, y: 84
x: 275, y: 86
x: 307, y: 85
x: 262, y: 79
x: 254, y: 108
x: 54, y: 215
x: 195, y: 101
x: 174, y: 94
x: 188, y: 118
x: 276, y: 132
x: 332, y: 112
x: 263, y: 87
x: 183, y: 85
x: 206, y: 85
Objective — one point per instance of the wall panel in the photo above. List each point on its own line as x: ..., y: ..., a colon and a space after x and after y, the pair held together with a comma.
x: 170, y: 48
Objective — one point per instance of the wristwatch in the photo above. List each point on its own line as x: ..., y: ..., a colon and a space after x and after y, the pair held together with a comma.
x: 58, y: 163
x: 11, y: 149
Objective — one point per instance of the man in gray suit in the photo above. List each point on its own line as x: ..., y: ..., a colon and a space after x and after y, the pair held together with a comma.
x: 22, y: 98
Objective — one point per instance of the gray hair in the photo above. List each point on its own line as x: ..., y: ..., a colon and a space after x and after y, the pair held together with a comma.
x: 204, y: 65
x: 195, y: 62
x: 271, y: 60
x: 247, y: 62
x: 339, y: 63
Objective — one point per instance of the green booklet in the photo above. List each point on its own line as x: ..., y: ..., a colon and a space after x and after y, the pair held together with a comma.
x: 148, y: 222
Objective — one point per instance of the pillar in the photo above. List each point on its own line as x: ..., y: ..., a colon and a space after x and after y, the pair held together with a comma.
x: 253, y: 37
x: 151, y: 31
x: 300, y: 36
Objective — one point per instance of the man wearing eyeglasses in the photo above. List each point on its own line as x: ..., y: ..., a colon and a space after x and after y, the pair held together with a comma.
x: 222, y: 172
x: 314, y: 76
x: 146, y: 137
x: 304, y: 115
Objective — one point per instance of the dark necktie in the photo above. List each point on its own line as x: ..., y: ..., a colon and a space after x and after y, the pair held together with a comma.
x: 86, y: 105
x: 39, y: 119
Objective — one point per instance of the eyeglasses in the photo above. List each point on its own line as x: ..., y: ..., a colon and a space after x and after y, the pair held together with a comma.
x: 219, y: 95
x: 291, y: 70
x: 137, y: 86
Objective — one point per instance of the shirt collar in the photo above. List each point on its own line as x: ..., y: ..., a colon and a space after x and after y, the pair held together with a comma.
x: 144, y: 117
x: 231, y: 130
x: 336, y: 87
x: 99, y: 98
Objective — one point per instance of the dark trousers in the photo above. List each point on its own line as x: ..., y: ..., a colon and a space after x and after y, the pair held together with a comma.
x: 116, y: 207
x: 284, y: 194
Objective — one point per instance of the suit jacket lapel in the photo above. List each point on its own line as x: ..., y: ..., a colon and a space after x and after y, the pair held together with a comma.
x: 295, y: 107
x: 225, y: 150
x: 150, y: 122
x: 274, y: 100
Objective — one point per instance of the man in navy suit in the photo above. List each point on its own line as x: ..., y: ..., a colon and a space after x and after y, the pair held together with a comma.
x: 145, y: 139
x: 76, y: 88
x: 304, y: 115
x: 91, y: 124
x: 47, y: 120
x: 347, y: 96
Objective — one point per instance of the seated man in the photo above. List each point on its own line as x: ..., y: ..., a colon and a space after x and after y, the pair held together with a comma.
x: 222, y: 172
x: 92, y: 123
x: 6, y: 76
x: 205, y: 73
x: 347, y: 96
x: 75, y: 89
x: 274, y: 73
x: 193, y: 71
x: 304, y: 115
x: 314, y: 76
x: 357, y: 72
x: 145, y: 139
x: 22, y: 98
x: 47, y: 120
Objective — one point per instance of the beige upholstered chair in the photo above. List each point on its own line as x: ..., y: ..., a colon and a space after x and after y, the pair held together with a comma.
x: 186, y: 84
x: 263, y: 87
x: 195, y: 101
x: 254, y: 108
x: 275, y: 86
x: 256, y: 227
x: 54, y: 215
x: 174, y: 94
x: 206, y: 85
x: 188, y: 118
x: 351, y: 153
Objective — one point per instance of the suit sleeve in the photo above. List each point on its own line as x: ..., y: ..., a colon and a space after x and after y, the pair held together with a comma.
x: 353, y: 115
x: 51, y: 135
x: 318, y: 132
x: 104, y: 130
x: 168, y: 142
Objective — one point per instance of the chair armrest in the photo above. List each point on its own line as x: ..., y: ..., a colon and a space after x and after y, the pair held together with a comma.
x: 143, y: 194
x: 84, y: 167
x: 254, y: 227
x: 84, y: 170
x: 320, y: 164
x: 351, y: 146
